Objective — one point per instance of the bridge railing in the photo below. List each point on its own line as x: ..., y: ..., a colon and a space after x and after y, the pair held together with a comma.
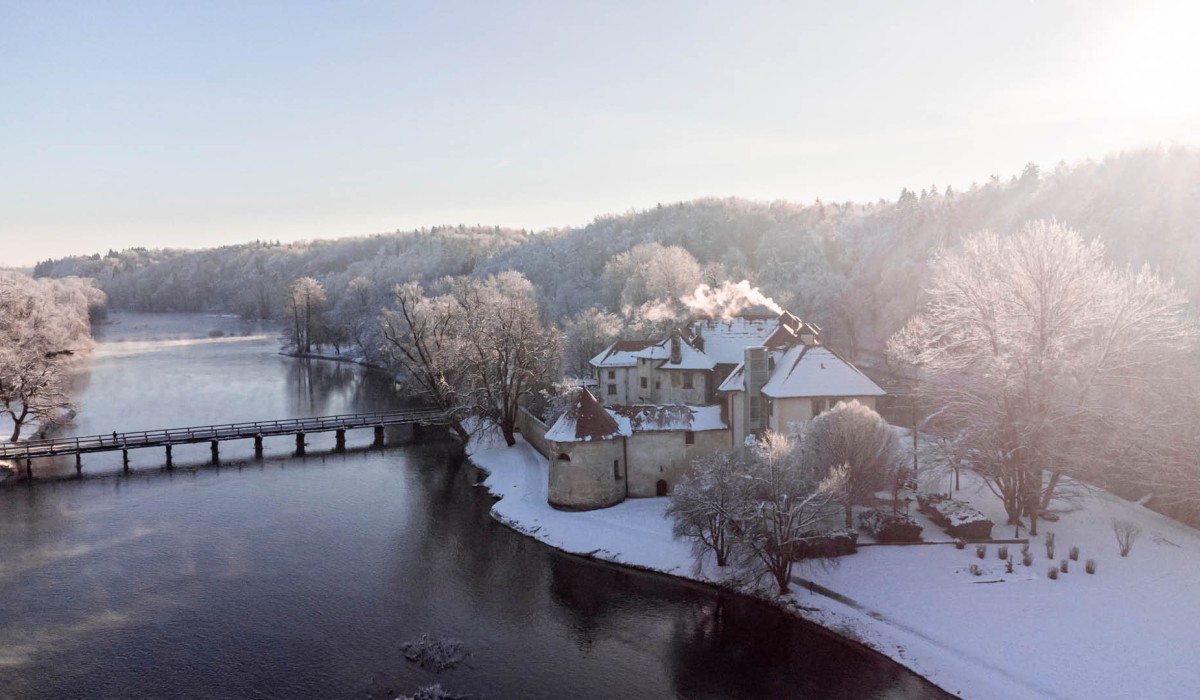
x: 224, y: 431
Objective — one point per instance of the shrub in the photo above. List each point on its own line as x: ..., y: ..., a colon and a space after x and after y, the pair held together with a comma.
x: 886, y: 526
x: 1074, y: 554
x: 1127, y: 533
x: 958, y: 518
x: 1025, y: 549
x: 1002, y: 552
x: 1027, y: 559
x: 1008, y: 565
x: 1063, y: 566
x: 976, y: 570
x: 981, y: 551
x: 1090, y: 566
x: 959, y: 543
x: 835, y: 543
x: 1049, y: 545
x: 1053, y: 574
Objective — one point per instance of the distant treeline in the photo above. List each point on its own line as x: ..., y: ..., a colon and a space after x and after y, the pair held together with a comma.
x: 857, y: 269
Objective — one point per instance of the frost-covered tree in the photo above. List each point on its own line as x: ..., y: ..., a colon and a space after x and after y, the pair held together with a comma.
x: 853, y: 437
x: 306, y: 309
x: 509, y: 355
x: 43, y: 324
x: 586, y: 334
x: 1033, y: 349
x: 787, y: 504
x: 479, y: 349
x: 705, y: 505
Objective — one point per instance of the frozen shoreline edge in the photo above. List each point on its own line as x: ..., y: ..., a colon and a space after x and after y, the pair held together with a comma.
x: 845, y: 630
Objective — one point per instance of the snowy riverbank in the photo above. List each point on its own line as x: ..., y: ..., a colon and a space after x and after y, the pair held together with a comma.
x: 1126, y: 631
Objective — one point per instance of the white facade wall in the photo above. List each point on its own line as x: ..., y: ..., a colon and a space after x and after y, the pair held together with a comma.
x: 624, y: 380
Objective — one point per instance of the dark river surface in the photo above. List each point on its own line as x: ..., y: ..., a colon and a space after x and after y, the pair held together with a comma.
x: 301, y: 577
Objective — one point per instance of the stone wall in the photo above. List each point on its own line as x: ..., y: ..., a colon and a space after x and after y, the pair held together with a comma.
x: 666, y: 456
x: 533, y: 430
x: 583, y: 475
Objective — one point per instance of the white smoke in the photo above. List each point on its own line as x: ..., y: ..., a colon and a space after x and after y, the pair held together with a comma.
x: 728, y: 300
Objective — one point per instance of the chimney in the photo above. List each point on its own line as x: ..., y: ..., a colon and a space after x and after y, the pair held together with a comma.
x: 676, y: 350
x: 698, y: 341
x: 756, y: 373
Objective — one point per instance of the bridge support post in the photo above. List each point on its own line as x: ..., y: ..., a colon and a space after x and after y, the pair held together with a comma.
x: 216, y: 454
x: 258, y: 446
x: 78, y: 464
x: 378, y: 436
x: 125, y: 460
x: 299, y: 444
x: 169, y: 462
x: 418, y: 432
x: 29, y: 467
x: 340, y: 436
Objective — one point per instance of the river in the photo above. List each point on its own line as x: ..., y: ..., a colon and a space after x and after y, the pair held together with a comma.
x: 301, y: 577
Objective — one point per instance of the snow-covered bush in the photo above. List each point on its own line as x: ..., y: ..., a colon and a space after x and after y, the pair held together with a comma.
x: 1027, y: 559
x: 981, y: 551
x: 1090, y: 566
x: 1008, y: 565
x: 1049, y: 545
x: 1002, y: 552
x: 1064, y: 566
x: 435, y: 655
x: 1053, y: 573
x: 886, y: 526
x: 432, y: 692
x: 959, y: 543
x: 976, y: 570
x: 957, y: 518
x: 1074, y: 554
x: 826, y: 544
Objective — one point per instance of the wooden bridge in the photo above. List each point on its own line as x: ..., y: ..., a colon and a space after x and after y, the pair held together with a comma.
x: 216, y: 434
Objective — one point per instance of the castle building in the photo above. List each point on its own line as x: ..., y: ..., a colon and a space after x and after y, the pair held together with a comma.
x: 704, y: 388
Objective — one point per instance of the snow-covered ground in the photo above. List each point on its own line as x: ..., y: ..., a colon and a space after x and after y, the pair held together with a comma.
x: 1128, y: 631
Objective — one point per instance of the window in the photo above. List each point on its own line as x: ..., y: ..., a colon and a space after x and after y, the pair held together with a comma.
x: 612, y: 374
x: 657, y: 384
x: 687, y: 380
x: 616, y: 469
x: 689, y: 438
x: 612, y: 389
x: 643, y: 382
x: 564, y: 457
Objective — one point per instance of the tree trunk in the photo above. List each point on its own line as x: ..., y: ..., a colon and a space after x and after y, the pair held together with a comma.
x: 460, y: 431
x: 508, y: 428
x: 849, y: 515
x: 1049, y: 492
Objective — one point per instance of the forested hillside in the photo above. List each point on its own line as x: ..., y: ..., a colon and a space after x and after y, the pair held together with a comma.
x: 857, y: 269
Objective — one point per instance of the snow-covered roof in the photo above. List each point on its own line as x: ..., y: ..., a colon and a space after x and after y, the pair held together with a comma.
x: 736, y: 380
x: 620, y: 353
x: 815, y: 370
x: 586, y: 420
x: 725, y: 340
x: 689, y: 357
x: 672, y: 417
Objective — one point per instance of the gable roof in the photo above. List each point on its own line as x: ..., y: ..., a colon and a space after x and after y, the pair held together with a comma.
x: 725, y: 340
x: 689, y: 357
x: 815, y: 370
x: 620, y: 353
x: 586, y: 420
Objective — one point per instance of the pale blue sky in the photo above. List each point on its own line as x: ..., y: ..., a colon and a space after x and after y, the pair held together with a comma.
x: 192, y: 124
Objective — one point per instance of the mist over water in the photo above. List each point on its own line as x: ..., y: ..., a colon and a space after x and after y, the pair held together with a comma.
x: 295, y: 578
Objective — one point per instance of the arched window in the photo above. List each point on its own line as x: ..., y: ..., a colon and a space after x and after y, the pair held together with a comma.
x: 564, y: 457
